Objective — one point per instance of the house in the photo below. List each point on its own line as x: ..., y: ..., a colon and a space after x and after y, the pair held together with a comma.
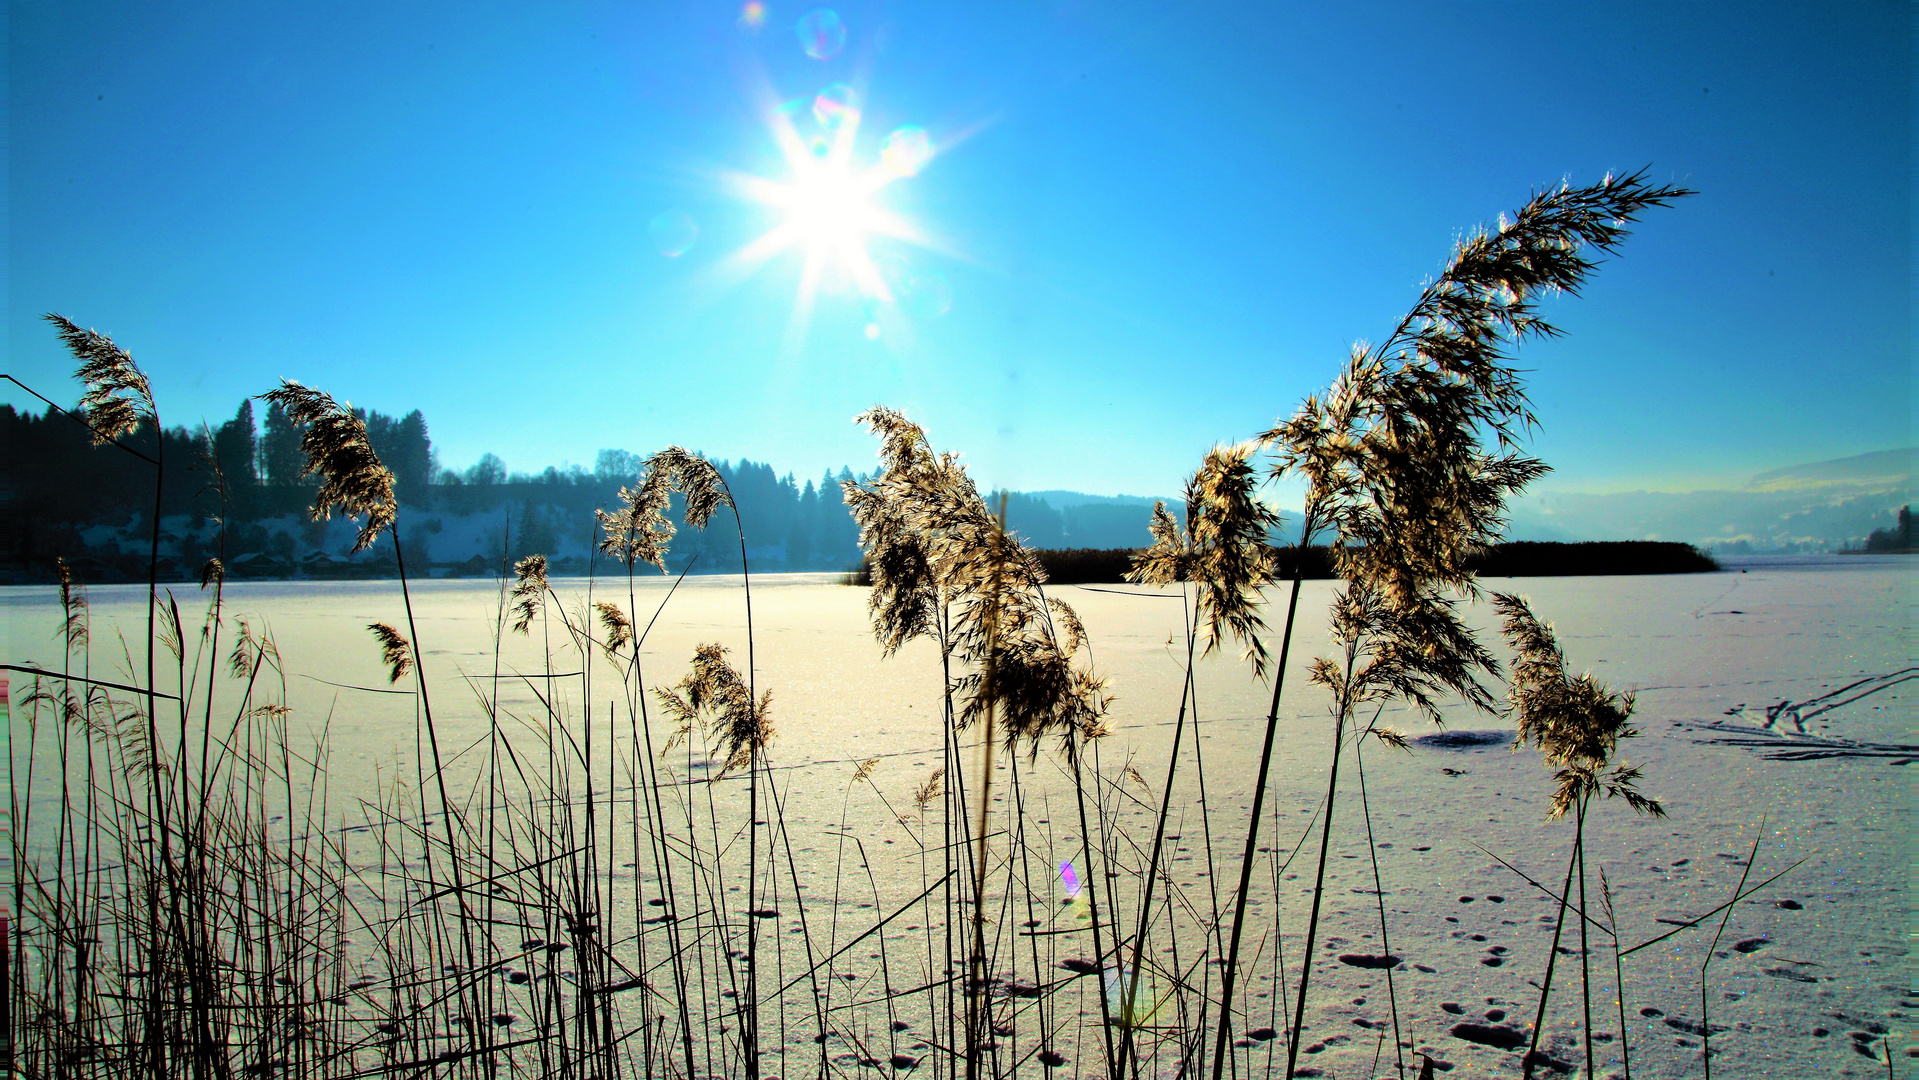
x: 259, y: 564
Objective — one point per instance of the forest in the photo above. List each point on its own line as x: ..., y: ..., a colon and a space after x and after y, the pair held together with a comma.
x: 235, y: 492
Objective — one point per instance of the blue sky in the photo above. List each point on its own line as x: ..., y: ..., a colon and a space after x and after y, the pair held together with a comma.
x: 1146, y: 228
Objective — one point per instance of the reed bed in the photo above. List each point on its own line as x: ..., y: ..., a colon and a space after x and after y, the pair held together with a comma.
x: 604, y: 883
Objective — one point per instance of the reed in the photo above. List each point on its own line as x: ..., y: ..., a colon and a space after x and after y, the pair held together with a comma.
x: 944, y: 567
x: 1396, y: 464
x: 1221, y: 553
x: 1577, y: 724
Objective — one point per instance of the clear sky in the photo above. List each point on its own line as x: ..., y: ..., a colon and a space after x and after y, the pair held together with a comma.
x: 1142, y: 229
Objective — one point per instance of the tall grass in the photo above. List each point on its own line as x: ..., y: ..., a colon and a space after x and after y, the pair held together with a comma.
x: 602, y: 881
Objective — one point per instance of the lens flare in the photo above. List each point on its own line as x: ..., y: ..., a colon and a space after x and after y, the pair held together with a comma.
x: 673, y: 232
x: 928, y: 295
x: 822, y: 34
x: 836, y: 107
x: 1078, y: 910
x: 752, y: 15
x: 906, y: 151
x: 1131, y: 1007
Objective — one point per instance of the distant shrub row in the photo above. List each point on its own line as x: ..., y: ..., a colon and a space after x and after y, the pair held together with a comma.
x: 1532, y: 559
x: 1082, y: 566
x: 1525, y: 558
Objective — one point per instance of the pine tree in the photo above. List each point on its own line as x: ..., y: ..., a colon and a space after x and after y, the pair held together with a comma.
x: 236, y: 449
x: 280, y: 448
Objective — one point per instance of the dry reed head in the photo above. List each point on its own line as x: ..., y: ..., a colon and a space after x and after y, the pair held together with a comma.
x: 117, y: 395
x: 1420, y: 653
x: 529, y: 591
x: 73, y: 605
x: 694, y: 477
x: 1393, y: 454
x: 336, y: 448
x: 394, y: 651
x: 905, y: 595
x: 943, y: 565
x: 250, y: 650
x: 1021, y: 642
x: 1223, y: 550
x: 1489, y: 291
x: 895, y: 533
x: 715, y: 690
x: 865, y: 769
x: 213, y: 573
x: 903, y: 445
x: 639, y: 531
x: 619, y: 629
x: 1034, y: 690
x: 924, y: 795
x: 1575, y: 723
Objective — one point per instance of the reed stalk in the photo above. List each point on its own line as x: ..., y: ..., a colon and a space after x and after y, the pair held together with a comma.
x: 1705, y: 962
x: 1619, y: 974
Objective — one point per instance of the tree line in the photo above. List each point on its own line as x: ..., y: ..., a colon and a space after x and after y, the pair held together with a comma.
x: 234, y: 490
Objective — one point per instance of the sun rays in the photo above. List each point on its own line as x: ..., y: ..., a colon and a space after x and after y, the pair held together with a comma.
x: 827, y: 204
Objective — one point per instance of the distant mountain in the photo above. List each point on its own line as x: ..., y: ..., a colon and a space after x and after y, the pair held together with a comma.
x: 1061, y: 500
x: 1880, y: 468
x: 1817, y: 506
x: 1074, y: 519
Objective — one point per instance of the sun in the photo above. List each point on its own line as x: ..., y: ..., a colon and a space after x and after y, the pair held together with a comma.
x: 830, y: 209
x: 827, y: 207
x: 830, y: 214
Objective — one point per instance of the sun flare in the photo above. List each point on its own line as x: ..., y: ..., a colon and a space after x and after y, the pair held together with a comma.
x: 828, y: 208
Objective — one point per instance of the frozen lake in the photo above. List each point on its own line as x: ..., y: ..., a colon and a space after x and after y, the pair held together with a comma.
x: 1810, y: 653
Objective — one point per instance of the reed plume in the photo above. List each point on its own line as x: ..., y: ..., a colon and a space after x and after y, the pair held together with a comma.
x: 117, y: 395
x: 1421, y: 655
x: 1576, y: 723
x: 619, y: 629
x: 529, y: 591
x: 249, y: 650
x: 907, y: 596
x: 73, y: 605
x: 695, y: 478
x: 930, y: 790
x: 336, y: 448
x: 942, y: 566
x: 1394, y: 451
x: 1223, y: 551
x: 395, y: 652
x: 714, y: 690
x: 704, y: 490
x: 638, y: 531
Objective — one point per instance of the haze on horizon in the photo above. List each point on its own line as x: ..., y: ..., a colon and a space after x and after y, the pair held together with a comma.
x: 1078, y: 246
